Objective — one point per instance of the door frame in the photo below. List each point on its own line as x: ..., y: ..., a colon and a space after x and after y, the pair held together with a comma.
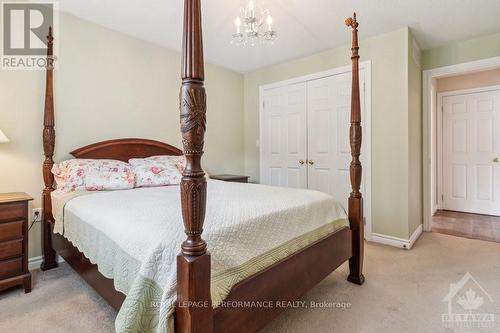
x: 366, y: 123
x: 429, y: 158
x: 439, y: 133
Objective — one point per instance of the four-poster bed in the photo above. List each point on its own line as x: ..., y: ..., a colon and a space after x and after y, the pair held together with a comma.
x: 285, y: 280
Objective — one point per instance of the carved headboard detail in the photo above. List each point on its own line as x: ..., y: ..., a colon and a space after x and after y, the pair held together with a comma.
x: 125, y: 149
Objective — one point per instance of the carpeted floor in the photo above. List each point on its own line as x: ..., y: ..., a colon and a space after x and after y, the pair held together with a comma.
x: 403, y: 293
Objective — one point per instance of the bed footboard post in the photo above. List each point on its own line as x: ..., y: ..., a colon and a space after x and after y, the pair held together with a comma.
x: 194, y: 312
x: 356, y: 198
x: 49, y: 139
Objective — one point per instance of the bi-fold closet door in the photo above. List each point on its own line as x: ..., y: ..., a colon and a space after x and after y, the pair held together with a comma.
x: 284, y: 136
x: 305, y: 135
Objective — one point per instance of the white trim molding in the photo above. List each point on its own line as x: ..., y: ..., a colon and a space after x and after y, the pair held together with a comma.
x: 428, y: 160
x: 396, y: 241
x: 35, y: 262
x: 366, y: 123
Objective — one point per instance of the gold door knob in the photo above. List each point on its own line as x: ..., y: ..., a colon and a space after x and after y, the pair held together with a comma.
x: 301, y: 162
x: 311, y: 162
x: 496, y: 160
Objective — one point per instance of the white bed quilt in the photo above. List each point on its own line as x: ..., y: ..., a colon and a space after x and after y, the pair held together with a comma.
x: 134, y: 237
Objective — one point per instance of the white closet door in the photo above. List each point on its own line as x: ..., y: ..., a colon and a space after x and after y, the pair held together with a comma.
x: 471, y: 147
x: 329, y: 153
x: 284, y: 137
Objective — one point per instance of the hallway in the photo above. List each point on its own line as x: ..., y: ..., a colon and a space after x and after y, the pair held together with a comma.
x: 467, y: 225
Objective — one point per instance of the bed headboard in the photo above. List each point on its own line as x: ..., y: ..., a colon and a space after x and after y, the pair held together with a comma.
x: 125, y: 149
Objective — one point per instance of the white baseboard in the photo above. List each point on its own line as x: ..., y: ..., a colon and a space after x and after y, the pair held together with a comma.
x: 35, y: 262
x: 416, y: 234
x: 398, y: 242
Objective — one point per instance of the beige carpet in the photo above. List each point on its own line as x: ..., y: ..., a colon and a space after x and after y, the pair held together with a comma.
x: 403, y: 293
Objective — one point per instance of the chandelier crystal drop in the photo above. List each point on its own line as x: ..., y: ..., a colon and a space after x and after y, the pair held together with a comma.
x: 254, y: 25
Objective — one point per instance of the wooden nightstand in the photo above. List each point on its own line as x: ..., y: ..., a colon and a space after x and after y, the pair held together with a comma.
x: 14, y: 241
x: 231, y: 178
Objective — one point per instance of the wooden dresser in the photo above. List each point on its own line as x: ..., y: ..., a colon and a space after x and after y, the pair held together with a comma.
x: 14, y: 241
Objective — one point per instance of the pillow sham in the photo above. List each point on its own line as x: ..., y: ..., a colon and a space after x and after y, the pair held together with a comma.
x: 180, y: 163
x: 117, y: 178
x: 70, y: 175
x: 155, y: 171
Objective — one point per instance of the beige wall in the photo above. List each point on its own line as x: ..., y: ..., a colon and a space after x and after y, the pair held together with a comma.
x: 468, y: 81
x: 390, y: 121
x: 415, y: 192
x: 109, y: 85
x: 462, y: 51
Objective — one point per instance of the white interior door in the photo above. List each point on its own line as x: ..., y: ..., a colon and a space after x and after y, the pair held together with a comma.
x: 284, y: 136
x: 470, y: 153
x: 329, y: 152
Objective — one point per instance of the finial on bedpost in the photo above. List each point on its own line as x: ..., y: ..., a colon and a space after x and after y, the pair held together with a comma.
x: 355, y: 137
x: 49, y: 139
x: 50, y: 51
x: 193, y: 264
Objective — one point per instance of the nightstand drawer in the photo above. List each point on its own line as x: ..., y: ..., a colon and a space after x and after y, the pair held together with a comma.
x: 11, y: 268
x: 11, y: 230
x: 13, y: 241
x: 11, y: 211
x: 11, y: 249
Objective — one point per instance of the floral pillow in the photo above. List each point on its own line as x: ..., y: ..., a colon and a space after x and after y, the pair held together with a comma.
x: 116, y: 178
x: 155, y: 171
x: 180, y: 163
x: 70, y: 175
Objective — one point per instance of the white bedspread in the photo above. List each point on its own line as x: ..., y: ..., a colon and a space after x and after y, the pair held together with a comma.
x: 135, y: 235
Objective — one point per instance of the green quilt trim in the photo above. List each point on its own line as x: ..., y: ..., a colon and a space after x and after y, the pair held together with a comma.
x: 142, y: 311
x: 223, y: 282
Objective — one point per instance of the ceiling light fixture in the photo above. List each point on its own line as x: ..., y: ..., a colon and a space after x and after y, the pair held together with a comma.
x: 253, y: 25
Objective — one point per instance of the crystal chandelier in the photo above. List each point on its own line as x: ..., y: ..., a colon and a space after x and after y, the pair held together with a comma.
x: 251, y: 28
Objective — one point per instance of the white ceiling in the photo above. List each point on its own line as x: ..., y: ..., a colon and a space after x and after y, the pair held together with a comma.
x: 304, y: 26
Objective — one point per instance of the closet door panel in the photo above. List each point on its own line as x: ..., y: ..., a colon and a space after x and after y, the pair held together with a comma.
x: 342, y: 158
x: 284, y: 137
x: 329, y: 152
x: 322, y: 140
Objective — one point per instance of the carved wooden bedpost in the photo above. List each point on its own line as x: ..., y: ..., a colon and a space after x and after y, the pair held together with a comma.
x: 356, y: 199
x: 194, y: 312
x: 49, y: 139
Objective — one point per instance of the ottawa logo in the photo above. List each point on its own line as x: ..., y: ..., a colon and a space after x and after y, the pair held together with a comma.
x: 467, y: 300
